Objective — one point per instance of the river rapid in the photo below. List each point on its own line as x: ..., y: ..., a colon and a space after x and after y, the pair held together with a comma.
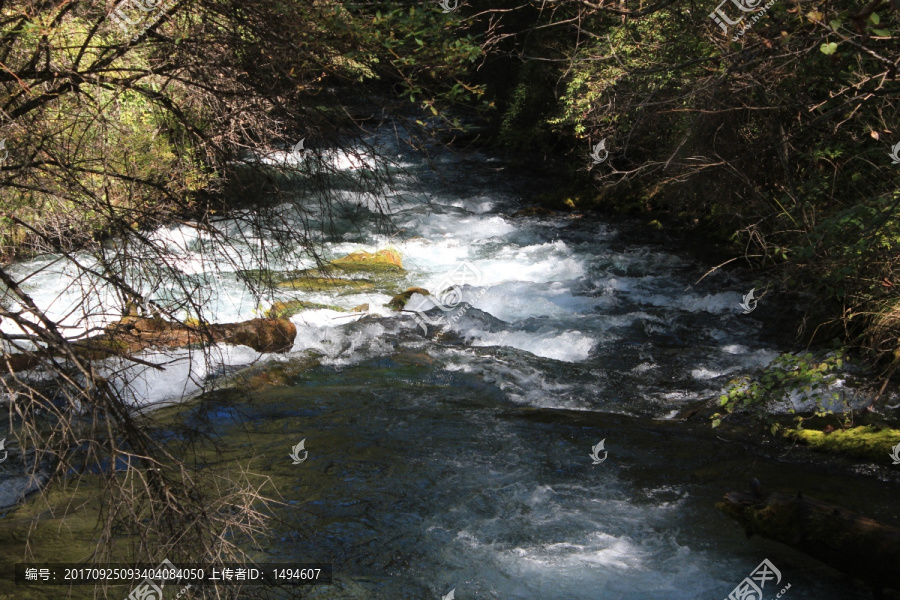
x: 452, y: 450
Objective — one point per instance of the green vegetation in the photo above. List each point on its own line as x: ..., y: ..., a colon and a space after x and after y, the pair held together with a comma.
x: 789, y: 374
x: 777, y: 144
x: 867, y: 442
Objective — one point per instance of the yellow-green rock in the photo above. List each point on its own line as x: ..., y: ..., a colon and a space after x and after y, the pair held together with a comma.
x: 316, y: 284
x: 286, y: 310
x: 383, y: 260
x: 867, y: 442
x: 399, y: 301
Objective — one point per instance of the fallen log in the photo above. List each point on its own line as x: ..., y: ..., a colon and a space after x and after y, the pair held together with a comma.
x: 851, y: 543
x: 133, y: 334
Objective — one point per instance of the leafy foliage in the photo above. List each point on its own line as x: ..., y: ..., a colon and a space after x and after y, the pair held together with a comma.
x: 788, y: 376
x: 776, y: 140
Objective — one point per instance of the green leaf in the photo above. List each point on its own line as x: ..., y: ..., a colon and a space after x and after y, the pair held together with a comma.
x: 829, y: 48
x: 836, y: 24
x: 875, y: 18
x: 881, y: 32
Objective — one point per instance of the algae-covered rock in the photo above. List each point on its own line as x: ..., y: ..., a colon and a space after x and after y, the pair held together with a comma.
x: 869, y: 442
x: 383, y: 260
x: 399, y: 301
x: 318, y: 284
x: 355, y: 272
x: 352, y: 273
x: 360, y: 308
x: 286, y: 310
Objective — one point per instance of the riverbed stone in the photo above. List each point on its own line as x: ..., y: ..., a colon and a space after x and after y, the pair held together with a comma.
x: 14, y: 489
x: 399, y: 301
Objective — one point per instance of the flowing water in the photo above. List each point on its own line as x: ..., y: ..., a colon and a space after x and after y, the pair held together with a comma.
x: 460, y: 459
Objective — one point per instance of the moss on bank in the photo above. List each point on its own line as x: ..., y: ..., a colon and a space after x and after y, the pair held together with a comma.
x: 869, y: 442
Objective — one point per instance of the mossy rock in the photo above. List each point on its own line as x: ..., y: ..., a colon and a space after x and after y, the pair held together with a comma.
x: 318, y: 284
x: 399, y: 301
x: 286, y: 310
x: 385, y: 265
x: 869, y: 442
x: 383, y: 260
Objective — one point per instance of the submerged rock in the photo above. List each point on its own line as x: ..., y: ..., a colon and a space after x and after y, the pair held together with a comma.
x: 398, y: 302
x: 312, y: 283
x: 15, y: 489
x: 286, y: 310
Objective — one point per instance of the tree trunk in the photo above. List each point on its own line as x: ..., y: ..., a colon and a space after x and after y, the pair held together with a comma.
x: 134, y: 334
x: 856, y: 545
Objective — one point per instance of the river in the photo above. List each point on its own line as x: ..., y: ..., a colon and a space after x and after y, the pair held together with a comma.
x: 460, y: 459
